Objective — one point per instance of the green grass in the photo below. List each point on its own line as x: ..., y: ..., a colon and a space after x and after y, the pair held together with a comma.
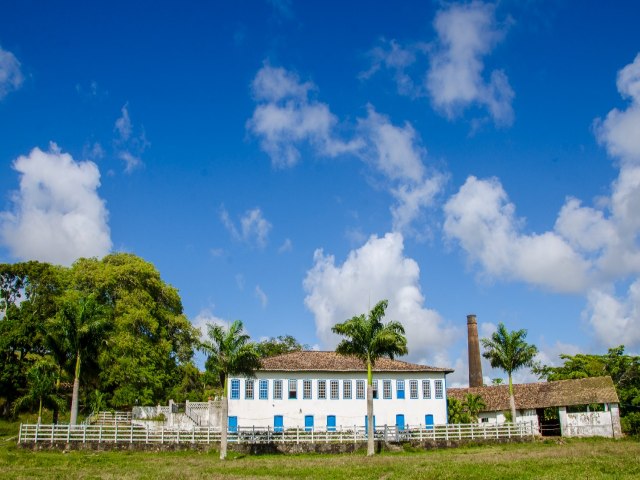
x: 567, y: 458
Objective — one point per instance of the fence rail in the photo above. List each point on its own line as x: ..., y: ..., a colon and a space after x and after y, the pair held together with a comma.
x: 30, y: 433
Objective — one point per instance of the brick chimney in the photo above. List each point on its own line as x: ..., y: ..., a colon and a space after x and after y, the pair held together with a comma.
x: 475, y: 367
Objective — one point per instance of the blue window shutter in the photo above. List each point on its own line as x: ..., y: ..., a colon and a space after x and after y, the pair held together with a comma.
x: 308, y: 423
x: 233, y: 424
x: 331, y: 423
x: 400, y: 421
x: 278, y: 423
x: 428, y: 421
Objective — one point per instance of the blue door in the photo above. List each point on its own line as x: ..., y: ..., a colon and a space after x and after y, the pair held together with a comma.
x: 308, y: 423
x: 278, y: 423
x: 366, y: 424
x: 331, y: 423
x: 400, y: 421
x: 233, y: 424
x: 428, y: 421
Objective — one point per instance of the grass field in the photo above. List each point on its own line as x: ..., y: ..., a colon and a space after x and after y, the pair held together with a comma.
x: 571, y: 459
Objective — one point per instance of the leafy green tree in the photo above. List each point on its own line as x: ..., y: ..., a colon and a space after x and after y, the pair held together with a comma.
x: 623, y: 369
x: 230, y: 352
x: 279, y: 345
x: 41, y: 389
x: 150, y: 337
x: 474, y: 404
x: 509, y: 352
x: 456, y: 412
x: 368, y: 339
x: 81, y: 324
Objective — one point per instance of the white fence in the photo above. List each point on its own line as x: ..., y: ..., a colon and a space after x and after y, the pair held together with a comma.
x: 30, y: 433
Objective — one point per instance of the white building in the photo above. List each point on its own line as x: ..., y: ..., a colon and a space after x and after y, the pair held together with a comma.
x: 318, y: 390
x: 581, y: 407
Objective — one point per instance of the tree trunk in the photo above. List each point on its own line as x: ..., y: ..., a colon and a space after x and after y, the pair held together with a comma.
x: 224, y: 423
x: 512, y: 401
x: 370, y: 440
x: 76, y: 392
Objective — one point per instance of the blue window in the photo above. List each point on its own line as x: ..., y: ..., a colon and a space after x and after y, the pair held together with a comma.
x: 346, y: 389
x: 248, y: 389
x: 386, y: 389
x: 322, y: 389
x: 306, y: 389
x: 413, y: 389
x: 277, y: 389
x: 293, y: 389
x: 331, y: 423
x: 235, y: 389
x: 439, y: 388
x: 264, y: 389
x: 400, y: 421
x: 278, y: 423
x: 308, y: 423
x: 375, y: 389
x: 400, y: 389
x: 335, y: 390
x: 233, y: 424
x: 428, y: 421
x: 426, y: 389
x: 360, y: 390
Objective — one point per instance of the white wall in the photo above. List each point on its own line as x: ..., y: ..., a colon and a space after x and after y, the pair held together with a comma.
x: 348, y: 412
x: 523, y: 416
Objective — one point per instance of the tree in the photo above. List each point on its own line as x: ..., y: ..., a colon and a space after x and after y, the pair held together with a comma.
x: 369, y: 339
x: 230, y: 353
x: 279, y: 345
x: 509, y: 352
x: 456, y: 412
x: 473, y: 404
x: 81, y: 324
x: 41, y: 388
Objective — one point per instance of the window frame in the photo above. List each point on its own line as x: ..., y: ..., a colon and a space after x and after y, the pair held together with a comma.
x: 400, y: 392
x: 234, y: 392
x: 347, y: 393
x: 361, y: 385
x: 307, y: 389
x: 438, y: 387
x: 386, y: 390
x: 413, y: 389
x: 322, y: 389
x: 426, y: 392
x: 334, y: 387
x: 263, y: 389
x: 376, y: 393
x: 293, y: 392
x: 277, y: 385
x: 249, y: 389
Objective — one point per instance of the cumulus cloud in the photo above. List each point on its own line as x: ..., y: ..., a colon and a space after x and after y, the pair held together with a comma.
x: 286, y: 118
x: 129, y: 147
x: 206, y: 317
x: 466, y: 34
x: 57, y: 214
x: 481, y: 218
x: 615, y: 321
x: 397, y: 153
x: 10, y: 74
x: 377, y: 270
x: 253, y: 229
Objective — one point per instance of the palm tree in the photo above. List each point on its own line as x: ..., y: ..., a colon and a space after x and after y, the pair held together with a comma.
x: 229, y: 353
x: 369, y: 339
x: 509, y: 352
x: 474, y: 404
x: 456, y: 412
x: 81, y: 323
x: 41, y: 388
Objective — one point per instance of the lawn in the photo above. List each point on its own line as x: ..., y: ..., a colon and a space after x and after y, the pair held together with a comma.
x: 567, y: 458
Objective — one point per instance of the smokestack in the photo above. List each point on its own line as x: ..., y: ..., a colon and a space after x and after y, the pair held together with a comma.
x: 475, y: 367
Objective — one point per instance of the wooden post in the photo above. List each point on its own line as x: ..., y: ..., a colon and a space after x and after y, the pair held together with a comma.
x: 297, y: 435
x: 131, y: 434
x: 20, y: 434
x: 162, y: 435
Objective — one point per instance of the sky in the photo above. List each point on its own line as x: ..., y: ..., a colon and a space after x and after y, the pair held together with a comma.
x: 292, y: 163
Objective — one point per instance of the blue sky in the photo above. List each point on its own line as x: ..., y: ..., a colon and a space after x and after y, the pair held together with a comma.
x: 291, y: 163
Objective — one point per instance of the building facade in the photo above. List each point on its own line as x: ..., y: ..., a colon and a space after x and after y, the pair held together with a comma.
x: 324, y: 390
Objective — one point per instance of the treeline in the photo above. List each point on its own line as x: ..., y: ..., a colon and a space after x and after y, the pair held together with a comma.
x: 104, y: 333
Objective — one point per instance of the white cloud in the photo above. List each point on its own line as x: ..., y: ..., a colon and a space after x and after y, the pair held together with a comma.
x: 262, y: 297
x: 377, y: 270
x: 483, y: 220
x: 10, y: 74
x: 254, y: 228
x: 286, y: 246
x: 397, y: 153
x: 467, y: 33
x: 620, y: 130
x: 287, y: 119
x: 207, y: 317
x: 57, y: 214
x: 615, y: 321
x: 130, y: 147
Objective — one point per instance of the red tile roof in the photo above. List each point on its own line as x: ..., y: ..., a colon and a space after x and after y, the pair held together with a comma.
x: 561, y: 393
x: 314, y: 361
